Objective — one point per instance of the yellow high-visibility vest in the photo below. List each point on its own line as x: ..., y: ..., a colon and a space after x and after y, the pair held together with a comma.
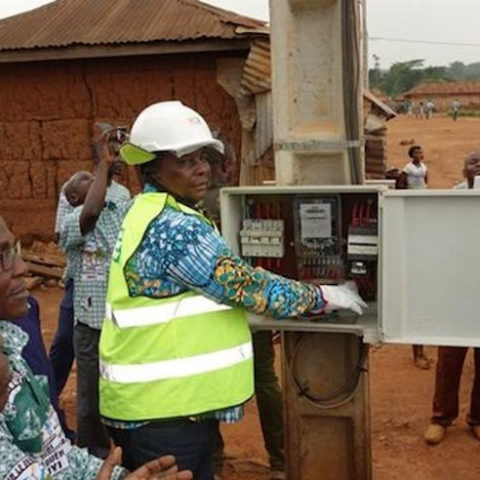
x: 176, y: 356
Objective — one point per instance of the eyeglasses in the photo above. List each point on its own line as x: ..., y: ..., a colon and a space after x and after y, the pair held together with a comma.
x: 7, y: 256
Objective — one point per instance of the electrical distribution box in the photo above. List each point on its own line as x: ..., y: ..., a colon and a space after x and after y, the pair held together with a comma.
x: 412, y: 254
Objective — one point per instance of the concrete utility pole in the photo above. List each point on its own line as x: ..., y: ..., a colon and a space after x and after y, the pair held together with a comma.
x: 318, y: 134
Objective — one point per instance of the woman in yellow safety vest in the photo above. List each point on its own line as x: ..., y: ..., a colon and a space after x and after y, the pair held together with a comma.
x: 175, y: 349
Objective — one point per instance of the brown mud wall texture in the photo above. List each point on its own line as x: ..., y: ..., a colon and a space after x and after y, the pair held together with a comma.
x: 48, y: 111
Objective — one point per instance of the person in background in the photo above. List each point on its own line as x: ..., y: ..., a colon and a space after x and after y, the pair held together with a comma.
x: 414, y: 175
x: 420, y: 111
x: 175, y: 349
x: 221, y: 173
x: 267, y: 387
x: 393, y: 173
x: 32, y: 443
x: 450, y: 362
x: 429, y: 108
x: 415, y: 171
x: 89, y: 233
x: 407, y: 107
x: 61, y: 353
x: 455, y: 109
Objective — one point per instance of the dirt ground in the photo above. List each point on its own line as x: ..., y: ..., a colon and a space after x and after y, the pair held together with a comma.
x: 401, y: 395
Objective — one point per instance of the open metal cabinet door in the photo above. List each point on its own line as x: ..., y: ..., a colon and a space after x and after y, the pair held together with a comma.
x: 430, y: 267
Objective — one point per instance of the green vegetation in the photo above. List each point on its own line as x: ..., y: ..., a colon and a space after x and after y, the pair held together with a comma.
x: 403, y: 76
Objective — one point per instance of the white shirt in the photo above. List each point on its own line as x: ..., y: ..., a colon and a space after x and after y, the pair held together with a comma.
x: 415, y: 175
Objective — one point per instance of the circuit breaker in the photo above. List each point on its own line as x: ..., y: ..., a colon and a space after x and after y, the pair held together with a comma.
x: 262, y: 238
x: 412, y: 255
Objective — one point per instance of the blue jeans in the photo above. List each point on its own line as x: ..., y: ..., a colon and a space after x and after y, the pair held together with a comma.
x: 189, y: 441
x: 61, y: 352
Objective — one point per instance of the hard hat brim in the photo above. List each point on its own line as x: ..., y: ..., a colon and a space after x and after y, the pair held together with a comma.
x: 133, y: 155
x: 180, y: 151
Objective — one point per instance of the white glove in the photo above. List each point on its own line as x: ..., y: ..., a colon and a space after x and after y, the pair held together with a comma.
x: 342, y: 296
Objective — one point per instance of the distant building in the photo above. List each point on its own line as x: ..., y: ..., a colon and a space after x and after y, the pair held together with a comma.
x: 444, y: 93
x: 71, y: 63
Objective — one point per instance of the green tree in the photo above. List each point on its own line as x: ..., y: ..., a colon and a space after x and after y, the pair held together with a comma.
x: 401, y: 77
x: 457, y: 71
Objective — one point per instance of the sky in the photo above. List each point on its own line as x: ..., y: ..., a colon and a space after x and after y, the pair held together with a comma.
x: 445, y: 21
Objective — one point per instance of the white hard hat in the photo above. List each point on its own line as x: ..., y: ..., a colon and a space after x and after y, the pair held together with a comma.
x: 167, y: 127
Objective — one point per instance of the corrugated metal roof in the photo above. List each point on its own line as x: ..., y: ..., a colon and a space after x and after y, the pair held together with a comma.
x: 444, y: 88
x: 257, y: 73
x: 95, y: 22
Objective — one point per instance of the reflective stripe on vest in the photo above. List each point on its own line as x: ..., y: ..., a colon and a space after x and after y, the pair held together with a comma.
x: 163, y: 313
x: 177, y: 368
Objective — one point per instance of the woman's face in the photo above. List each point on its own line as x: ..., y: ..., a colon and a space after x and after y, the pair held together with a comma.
x: 187, y: 176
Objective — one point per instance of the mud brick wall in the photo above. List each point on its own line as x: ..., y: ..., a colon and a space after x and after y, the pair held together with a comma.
x: 48, y: 110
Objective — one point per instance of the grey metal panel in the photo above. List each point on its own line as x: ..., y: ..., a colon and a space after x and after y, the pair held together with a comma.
x: 365, y: 326
x: 431, y: 267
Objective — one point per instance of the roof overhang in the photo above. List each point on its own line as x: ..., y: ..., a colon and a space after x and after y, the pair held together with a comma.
x: 387, y: 112
x: 123, y: 50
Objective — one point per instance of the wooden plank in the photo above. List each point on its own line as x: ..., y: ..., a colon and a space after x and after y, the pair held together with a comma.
x: 44, y: 259
x: 45, y: 271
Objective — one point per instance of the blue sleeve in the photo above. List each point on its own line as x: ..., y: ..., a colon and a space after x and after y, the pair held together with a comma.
x: 182, y: 249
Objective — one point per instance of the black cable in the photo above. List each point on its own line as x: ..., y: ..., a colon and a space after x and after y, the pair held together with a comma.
x: 351, y: 83
x: 339, y: 397
x: 427, y: 42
